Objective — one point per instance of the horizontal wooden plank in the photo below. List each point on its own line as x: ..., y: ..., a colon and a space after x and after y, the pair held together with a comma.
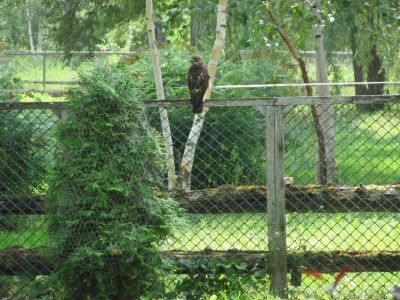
x: 276, y: 101
x: 324, y: 262
x: 18, y: 260
x: 253, y: 198
x: 12, y: 105
x: 269, y: 101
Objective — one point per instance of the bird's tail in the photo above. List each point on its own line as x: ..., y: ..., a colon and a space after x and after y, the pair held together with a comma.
x: 197, y: 107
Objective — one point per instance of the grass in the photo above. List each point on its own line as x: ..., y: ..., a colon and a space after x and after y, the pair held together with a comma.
x: 366, y: 148
x: 367, y: 152
x: 29, y: 232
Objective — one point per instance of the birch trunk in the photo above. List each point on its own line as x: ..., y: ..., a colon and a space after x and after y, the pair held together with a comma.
x: 186, y: 166
x: 166, y: 130
x: 325, y: 112
x: 130, y: 37
x: 40, y: 30
x: 29, y: 25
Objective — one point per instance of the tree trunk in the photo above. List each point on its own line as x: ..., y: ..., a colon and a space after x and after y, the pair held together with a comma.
x: 376, y: 73
x: 29, y: 25
x: 41, y: 33
x: 166, y: 130
x: 128, y: 44
x: 325, y: 112
x: 14, y: 260
x: 253, y: 199
x: 198, y: 121
x: 195, y: 31
x: 322, y: 175
x: 192, y: 31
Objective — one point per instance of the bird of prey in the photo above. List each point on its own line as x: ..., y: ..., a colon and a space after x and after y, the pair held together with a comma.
x: 198, y: 81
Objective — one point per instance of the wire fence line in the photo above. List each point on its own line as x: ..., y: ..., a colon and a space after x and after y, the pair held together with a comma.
x: 352, y: 222
x: 44, y: 72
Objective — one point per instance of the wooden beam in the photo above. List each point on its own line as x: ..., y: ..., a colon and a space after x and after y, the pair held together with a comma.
x: 278, y: 101
x: 19, y: 260
x: 276, y: 201
x: 268, y: 101
x: 324, y: 262
x: 11, y: 105
x: 299, y: 199
x: 22, y: 204
x: 253, y: 198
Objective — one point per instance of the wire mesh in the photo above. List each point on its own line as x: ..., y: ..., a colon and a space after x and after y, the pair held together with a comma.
x: 365, y: 146
x: 27, y: 141
x: 229, y: 170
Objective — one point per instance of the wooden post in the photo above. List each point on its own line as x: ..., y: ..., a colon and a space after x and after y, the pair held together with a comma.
x: 44, y: 71
x: 324, y: 111
x: 277, y: 260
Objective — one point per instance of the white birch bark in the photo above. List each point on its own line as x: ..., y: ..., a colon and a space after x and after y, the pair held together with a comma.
x: 325, y: 112
x: 166, y: 130
x: 29, y: 25
x: 130, y: 37
x: 186, y: 166
x: 40, y: 38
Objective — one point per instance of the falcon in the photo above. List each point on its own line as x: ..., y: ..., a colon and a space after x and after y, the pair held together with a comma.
x: 198, y: 81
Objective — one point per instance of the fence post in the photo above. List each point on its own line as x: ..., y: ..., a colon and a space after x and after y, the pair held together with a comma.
x: 44, y: 71
x: 277, y: 260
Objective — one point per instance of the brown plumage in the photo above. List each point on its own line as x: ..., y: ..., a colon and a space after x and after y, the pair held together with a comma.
x: 198, y: 81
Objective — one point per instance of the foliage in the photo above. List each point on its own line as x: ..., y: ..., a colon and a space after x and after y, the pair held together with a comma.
x: 104, y: 220
x: 96, y: 18
x: 226, y: 152
x: 214, y: 276
x: 22, y: 151
x: 372, y: 23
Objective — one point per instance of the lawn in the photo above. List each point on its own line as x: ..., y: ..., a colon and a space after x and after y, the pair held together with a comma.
x: 367, y: 153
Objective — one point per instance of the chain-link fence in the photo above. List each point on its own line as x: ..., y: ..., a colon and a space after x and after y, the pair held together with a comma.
x: 351, y: 222
x: 26, y: 147
x: 50, y: 71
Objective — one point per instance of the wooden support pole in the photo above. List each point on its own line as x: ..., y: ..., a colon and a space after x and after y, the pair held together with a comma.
x: 277, y: 259
x: 44, y: 72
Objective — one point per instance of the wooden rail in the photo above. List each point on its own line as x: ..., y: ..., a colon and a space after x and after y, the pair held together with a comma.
x: 267, y: 101
x: 253, y: 199
x: 19, y: 260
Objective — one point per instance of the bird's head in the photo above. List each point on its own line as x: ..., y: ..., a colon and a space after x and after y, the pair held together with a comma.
x: 196, y: 59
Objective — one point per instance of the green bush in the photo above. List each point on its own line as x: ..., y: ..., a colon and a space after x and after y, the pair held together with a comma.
x: 231, y: 147
x: 216, y: 276
x: 105, y: 222
x: 23, y: 148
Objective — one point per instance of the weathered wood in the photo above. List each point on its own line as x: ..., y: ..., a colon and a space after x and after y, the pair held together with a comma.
x: 21, y: 204
x: 268, y: 101
x: 299, y: 199
x: 18, y: 260
x: 277, y: 101
x: 252, y: 199
x: 276, y: 201
x: 11, y: 105
x: 324, y: 262
x: 327, y: 159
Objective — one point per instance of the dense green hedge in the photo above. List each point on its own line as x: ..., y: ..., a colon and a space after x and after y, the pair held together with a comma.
x: 104, y: 221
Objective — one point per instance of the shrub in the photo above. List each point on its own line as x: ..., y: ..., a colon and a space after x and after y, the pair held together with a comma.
x: 24, y: 143
x: 104, y: 220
